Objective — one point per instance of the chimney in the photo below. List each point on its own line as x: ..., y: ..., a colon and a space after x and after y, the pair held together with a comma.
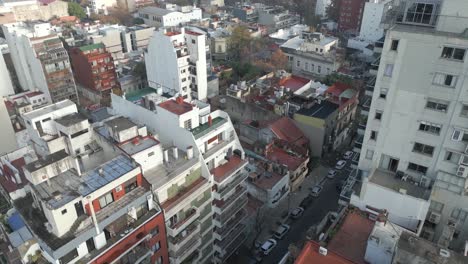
x: 135, y: 141
x: 210, y: 120
x: 179, y: 100
x: 189, y: 152
x: 166, y: 155
x: 175, y: 153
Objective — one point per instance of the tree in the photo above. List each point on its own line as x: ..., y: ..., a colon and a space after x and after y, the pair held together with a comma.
x: 333, y: 10
x: 259, y: 224
x: 239, y: 43
x: 140, y: 70
x: 74, y: 9
x: 138, y: 21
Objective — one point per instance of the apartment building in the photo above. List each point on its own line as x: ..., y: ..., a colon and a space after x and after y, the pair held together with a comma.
x: 40, y: 60
x: 413, y: 153
x: 276, y: 17
x: 206, y: 181
x: 102, y: 6
x: 30, y: 10
x: 94, y: 69
x: 350, y: 15
x: 176, y: 62
x: 173, y: 16
x: 312, y: 54
x: 245, y: 12
x: 86, y: 201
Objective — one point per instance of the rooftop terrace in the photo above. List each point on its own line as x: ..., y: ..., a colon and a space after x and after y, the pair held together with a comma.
x: 48, y: 160
x: 48, y: 109
x: 138, y: 144
x: 221, y: 172
x: 71, y: 119
x: 391, y: 181
x: 205, y: 128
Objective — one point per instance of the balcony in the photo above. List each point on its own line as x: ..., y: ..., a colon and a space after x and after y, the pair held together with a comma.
x: 184, y: 196
x: 240, y: 177
x: 229, y: 245
x: 175, y: 228
x: 222, y: 205
x: 225, y: 170
x: 221, y: 233
x: 178, y: 242
x: 206, y: 128
x: 220, y: 219
x: 140, y: 253
x: 221, y: 145
x: 206, y: 225
x: 205, y: 212
x: 185, y: 251
x: 358, y: 142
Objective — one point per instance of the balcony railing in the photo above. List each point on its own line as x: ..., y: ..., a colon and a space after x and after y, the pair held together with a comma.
x: 222, y: 172
x: 223, y: 205
x: 217, y: 147
x: 179, y: 241
x: 183, y: 252
x: 221, y: 233
x: 205, y: 128
x: 225, y: 215
x: 183, y: 194
x: 239, y: 178
x: 176, y: 228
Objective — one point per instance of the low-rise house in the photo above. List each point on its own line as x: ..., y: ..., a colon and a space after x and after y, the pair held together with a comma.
x: 172, y: 17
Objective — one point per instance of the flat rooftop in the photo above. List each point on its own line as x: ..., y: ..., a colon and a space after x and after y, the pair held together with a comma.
x: 120, y: 123
x: 310, y: 254
x: 71, y: 119
x: 221, y: 172
x: 322, y: 110
x: 138, y: 144
x: 48, y: 109
x: 391, y: 181
x: 410, y: 246
x: 178, y: 106
x: 68, y: 185
x: 49, y: 159
x: 282, y: 157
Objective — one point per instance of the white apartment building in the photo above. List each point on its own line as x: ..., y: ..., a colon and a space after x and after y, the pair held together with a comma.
x: 321, y: 7
x: 31, y: 10
x: 276, y: 17
x: 40, y: 60
x: 210, y: 152
x: 312, y: 54
x: 371, y: 28
x: 102, y: 6
x: 176, y: 63
x: 173, y: 16
x: 413, y: 160
x: 6, y: 86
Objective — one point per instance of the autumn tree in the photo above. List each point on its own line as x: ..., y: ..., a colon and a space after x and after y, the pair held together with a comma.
x: 239, y: 43
x: 74, y: 9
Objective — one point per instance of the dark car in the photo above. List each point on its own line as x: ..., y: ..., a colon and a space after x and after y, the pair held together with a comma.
x: 306, y: 202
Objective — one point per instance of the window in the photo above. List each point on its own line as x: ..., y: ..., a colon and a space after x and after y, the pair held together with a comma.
x: 106, y: 199
x: 79, y: 133
x: 419, y: 13
x: 464, y: 111
x: 188, y: 124
x: 388, y: 70
x: 306, y: 66
x: 394, y: 45
x: 64, y: 211
x: 298, y: 63
x: 457, y: 135
x: 319, y: 69
x: 156, y: 246
x: 378, y: 115
x: 453, y: 53
x: 437, y: 105
x: 369, y: 154
x: 436, y: 206
x: 129, y: 186
x: 383, y: 93
x: 373, y: 135
x: 193, y: 41
x: 154, y: 231
x: 459, y: 214
x: 452, y: 157
x: 430, y: 127
x: 445, y: 79
x: 423, y: 149
x: 417, y: 168
x: 151, y: 154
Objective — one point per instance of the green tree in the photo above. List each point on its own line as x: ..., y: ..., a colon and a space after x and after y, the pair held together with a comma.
x: 138, y: 21
x: 140, y: 70
x: 333, y: 10
x: 74, y: 9
x: 239, y: 43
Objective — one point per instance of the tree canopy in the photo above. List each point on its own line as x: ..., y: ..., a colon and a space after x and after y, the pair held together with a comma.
x: 333, y: 10
x: 74, y: 9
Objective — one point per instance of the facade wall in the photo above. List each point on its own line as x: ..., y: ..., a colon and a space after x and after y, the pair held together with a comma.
x: 371, y: 30
x: 309, y: 66
x: 350, y: 15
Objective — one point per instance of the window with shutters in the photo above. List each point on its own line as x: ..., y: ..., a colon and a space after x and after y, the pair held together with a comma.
x: 445, y: 79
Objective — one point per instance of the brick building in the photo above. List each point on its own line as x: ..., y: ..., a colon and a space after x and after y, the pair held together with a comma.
x: 350, y: 15
x: 94, y: 69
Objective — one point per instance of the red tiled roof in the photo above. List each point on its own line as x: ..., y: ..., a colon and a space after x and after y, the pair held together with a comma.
x: 267, y: 183
x: 6, y: 180
x: 279, y: 155
x: 172, y: 33
x: 178, y: 106
x: 351, y: 240
x: 193, y: 33
x: 337, y: 88
x: 221, y: 172
x: 310, y: 255
x: 46, y: 2
x: 285, y: 129
x: 293, y: 82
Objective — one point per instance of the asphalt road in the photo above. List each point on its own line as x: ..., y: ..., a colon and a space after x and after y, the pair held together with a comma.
x: 317, y: 209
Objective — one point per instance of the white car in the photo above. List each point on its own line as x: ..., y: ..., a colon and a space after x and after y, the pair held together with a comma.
x: 296, y: 213
x: 268, y: 246
x: 281, y: 231
x: 340, y: 164
x: 331, y: 174
x: 316, y: 191
x: 348, y: 154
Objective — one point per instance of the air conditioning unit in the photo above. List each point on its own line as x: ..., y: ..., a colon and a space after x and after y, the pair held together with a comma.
x: 466, y: 149
x: 462, y: 171
x: 434, y: 218
x: 427, y: 234
x: 463, y: 160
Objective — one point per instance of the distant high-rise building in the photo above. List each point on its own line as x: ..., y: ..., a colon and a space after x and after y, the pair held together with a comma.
x: 350, y: 15
x: 41, y: 62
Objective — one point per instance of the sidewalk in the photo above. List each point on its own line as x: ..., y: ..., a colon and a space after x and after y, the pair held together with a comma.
x: 274, y: 215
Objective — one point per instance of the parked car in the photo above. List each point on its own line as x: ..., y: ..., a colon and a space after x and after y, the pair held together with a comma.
x: 316, y: 191
x: 340, y: 164
x: 348, y: 154
x: 331, y: 174
x: 296, y: 213
x: 268, y: 246
x: 305, y: 203
x: 281, y: 231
